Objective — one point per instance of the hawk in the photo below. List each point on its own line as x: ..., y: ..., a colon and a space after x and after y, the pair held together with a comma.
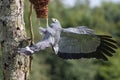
x: 73, y: 43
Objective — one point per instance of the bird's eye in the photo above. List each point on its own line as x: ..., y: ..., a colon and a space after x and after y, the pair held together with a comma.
x: 54, y: 20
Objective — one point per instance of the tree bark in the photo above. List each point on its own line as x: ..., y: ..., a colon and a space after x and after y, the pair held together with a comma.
x: 12, y: 32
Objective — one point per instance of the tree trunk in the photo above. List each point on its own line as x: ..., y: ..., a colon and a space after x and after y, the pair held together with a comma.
x: 12, y: 32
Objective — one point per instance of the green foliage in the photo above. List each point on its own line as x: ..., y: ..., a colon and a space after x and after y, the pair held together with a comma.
x: 111, y: 71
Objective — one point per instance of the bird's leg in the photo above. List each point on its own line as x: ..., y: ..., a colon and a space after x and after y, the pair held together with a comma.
x: 47, y: 22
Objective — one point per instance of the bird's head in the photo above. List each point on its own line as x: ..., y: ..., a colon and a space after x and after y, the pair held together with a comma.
x: 55, y: 24
x: 54, y: 20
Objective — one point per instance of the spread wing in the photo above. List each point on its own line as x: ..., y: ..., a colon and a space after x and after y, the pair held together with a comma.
x: 46, y: 42
x: 42, y: 30
x: 42, y: 45
x: 79, y: 30
x: 84, y: 45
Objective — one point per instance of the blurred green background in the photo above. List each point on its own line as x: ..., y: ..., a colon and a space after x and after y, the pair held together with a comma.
x: 105, y: 19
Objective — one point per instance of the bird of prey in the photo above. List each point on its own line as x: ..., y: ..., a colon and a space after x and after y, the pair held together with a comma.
x: 73, y: 43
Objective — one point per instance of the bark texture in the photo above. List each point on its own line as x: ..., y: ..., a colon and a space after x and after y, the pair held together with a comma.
x: 12, y: 33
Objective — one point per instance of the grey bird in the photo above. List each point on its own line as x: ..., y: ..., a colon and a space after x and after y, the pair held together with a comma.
x: 73, y: 43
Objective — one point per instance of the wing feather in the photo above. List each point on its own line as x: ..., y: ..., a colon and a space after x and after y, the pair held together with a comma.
x: 108, y: 48
x: 106, y: 52
x: 79, y: 30
x: 76, y: 46
x: 109, y: 39
x: 109, y: 44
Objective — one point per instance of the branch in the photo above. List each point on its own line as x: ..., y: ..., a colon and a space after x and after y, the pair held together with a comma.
x: 30, y: 25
